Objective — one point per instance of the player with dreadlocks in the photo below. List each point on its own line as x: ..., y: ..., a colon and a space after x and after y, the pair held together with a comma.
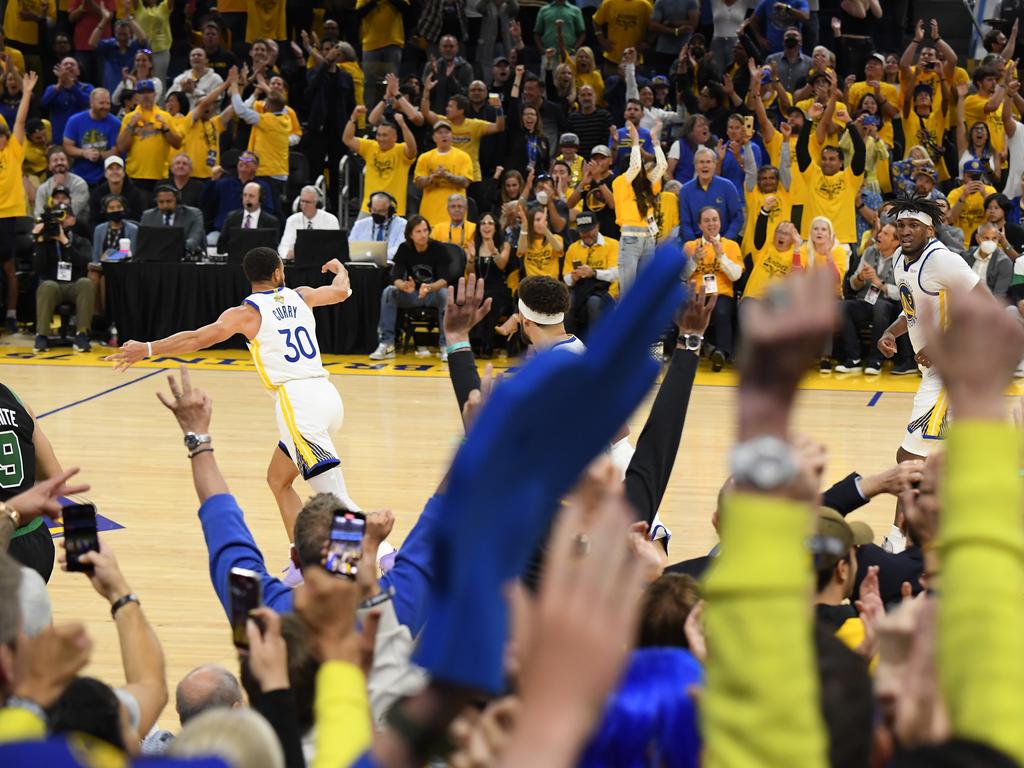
x: 637, y: 207
x: 928, y: 276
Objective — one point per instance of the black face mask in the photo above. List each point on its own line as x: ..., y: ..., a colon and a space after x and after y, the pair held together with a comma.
x: 379, y: 218
x: 115, y: 216
x: 698, y: 53
x: 791, y: 42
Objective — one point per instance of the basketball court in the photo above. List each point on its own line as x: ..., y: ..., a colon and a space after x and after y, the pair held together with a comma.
x: 401, y: 427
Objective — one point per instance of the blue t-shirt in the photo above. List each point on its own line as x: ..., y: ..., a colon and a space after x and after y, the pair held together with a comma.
x: 114, y: 61
x: 625, y: 145
x: 776, y: 22
x: 89, y: 133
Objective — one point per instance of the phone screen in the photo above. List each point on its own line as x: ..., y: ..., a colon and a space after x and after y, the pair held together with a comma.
x: 245, y: 594
x: 80, y: 534
x: 577, y: 264
x: 346, y: 543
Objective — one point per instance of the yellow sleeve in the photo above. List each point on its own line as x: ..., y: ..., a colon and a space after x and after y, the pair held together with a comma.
x: 981, y: 668
x: 18, y: 724
x: 760, y: 706
x: 423, y: 165
x: 342, y: 712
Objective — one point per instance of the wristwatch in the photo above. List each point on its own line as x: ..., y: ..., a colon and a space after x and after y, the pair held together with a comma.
x: 765, y: 462
x: 11, y: 513
x: 691, y: 342
x: 193, y: 441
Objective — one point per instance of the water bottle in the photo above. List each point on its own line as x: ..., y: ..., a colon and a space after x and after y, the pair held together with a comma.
x: 124, y: 248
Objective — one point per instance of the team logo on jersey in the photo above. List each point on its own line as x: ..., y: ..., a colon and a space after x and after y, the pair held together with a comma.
x: 279, y: 298
x: 907, y: 300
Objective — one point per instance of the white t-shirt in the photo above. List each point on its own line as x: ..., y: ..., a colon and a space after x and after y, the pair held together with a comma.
x: 928, y: 282
x: 1015, y: 148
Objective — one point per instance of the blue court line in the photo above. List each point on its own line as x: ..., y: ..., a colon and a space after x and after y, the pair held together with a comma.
x: 100, y: 394
x: 874, y: 399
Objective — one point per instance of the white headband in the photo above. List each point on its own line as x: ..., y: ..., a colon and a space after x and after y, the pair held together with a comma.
x: 924, y: 218
x: 538, y: 318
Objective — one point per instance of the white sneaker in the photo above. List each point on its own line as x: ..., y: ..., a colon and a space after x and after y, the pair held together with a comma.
x: 422, y: 352
x: 894, y: 542
x: 444, y: 355
x: 383, y: 352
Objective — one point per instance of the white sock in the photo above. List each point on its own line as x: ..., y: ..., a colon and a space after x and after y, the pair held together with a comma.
x: 333, y: 481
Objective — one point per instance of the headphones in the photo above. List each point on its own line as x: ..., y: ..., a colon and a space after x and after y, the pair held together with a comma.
x: 168, y: 188
x: 319, y: 198
x: 392, y: 203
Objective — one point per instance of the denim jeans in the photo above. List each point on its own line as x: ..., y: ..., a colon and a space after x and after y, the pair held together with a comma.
x: 635, y: 251
x: 393, y: 299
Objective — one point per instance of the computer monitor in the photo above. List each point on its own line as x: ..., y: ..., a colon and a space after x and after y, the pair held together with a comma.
x: 160, y: 244
x: 244, y: 240
x: 315, y: 247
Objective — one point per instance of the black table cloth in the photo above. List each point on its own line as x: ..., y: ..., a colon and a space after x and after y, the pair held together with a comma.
x: 151, y: 301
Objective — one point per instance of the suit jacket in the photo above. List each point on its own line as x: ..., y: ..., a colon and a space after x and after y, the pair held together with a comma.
x: 185, y: 216
x: 234, y: 221
x: 129, y: 229
x: 999, y: 274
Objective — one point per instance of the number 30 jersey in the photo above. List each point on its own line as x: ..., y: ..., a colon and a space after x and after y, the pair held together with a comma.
x: 285, y: 347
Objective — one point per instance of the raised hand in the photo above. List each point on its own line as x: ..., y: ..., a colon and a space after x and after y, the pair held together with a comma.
x: 43, y: 498
x: 327, y: 604
x: 268, y: 653
x: 192, y: 407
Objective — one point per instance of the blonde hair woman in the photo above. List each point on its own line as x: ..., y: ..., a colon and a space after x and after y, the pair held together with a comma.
x: 585, y: 71
x: 822, y: 251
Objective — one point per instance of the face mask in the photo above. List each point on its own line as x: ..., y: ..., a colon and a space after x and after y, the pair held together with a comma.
x: 115, y: 216
x: 698, y: 53
x: 379, y: 218
x: 987, y: 247
x: 542, y: 197
x: 791, y: 42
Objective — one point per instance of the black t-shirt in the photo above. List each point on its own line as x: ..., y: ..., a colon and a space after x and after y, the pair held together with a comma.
x: 593, y: 201
x: 49, y: 252
x: 17, y: 451
x: 221, y: 62
x: 424, y: 267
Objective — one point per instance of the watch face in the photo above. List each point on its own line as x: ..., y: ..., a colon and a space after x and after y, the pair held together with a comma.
x: 191, y: 441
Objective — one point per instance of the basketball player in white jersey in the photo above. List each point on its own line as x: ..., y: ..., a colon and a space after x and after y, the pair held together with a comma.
x: 928, y: 276
x: 280, y: 328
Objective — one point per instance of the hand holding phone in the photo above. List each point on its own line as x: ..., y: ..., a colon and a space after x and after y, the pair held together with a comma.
x: 245, y: 594
x: 80, y: 535
x: 345, y: 545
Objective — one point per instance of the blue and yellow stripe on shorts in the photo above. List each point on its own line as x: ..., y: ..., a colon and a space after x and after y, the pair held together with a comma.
x: 301, y: 445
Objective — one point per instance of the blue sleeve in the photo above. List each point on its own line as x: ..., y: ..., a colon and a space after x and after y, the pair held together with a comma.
x: 71, y: 130
x: 49, y: 96
x: 411, y: 574
x: 229, y: 544
x: 648, y: 144
x: 686, y: 216
x: 734, y: 212
x: 105, y: 46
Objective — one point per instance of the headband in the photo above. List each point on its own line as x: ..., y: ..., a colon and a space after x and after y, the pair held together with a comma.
x: 539, y: 318
x: 924, y: 218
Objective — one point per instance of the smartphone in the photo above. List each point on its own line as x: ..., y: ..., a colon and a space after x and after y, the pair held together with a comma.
x: 345, y: 546
x: 577, y: 264
x: 80, y: 534
x: 245, y: 594
x: 748, y: 125
x: 494, y: 99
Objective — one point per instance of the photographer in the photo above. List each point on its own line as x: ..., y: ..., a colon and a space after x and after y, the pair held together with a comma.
x: 62, y: 268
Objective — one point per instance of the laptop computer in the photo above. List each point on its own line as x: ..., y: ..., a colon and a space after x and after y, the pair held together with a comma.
x: 315, y: 247
x: 244, y: 240
x: 160, y: 244
x: 368, y: 252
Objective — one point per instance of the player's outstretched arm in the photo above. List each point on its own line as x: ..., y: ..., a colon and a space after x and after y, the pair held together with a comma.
x: 243, y: 319
x: 339, y: 289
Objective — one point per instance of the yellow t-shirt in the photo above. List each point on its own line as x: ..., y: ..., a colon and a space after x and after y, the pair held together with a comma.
x: 27, y: 32
x: 385, y: 172
x: 627, y: 214
x: 797, y: 184
x: 669, y: 213
x: 831, y: 140
x: 780, y: 213
x: 265, y: 19
x: 201, y: 142
x: 541, y: 258
x: 156, y: 23
x: 626, y: 22
x: 446, y: 232
x: 603, y: 254
x: 811, y: 259
x: 769, y: 266
x: 973, y: 211
x: 12, y: 193
x: 231, y: 6
x: 259, y: 106
x: 147, y: 157
x: 381, y: 26
x: 434, y: 205
x: 358, y: 80
x: 593, y: 78
x: 269, y: 140
x: 889, y: 92
x: 834, y: 197
x: 467, y: 138
x: 17, y: 59
x: 925, y: 132
x: 706, y: 260
x: 974, y: 112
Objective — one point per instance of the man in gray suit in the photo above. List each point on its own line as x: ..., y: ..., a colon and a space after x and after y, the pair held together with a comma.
x: 169, y: 213
x: 991, y: 263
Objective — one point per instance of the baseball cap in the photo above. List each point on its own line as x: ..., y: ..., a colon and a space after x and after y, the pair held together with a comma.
x: 974, y: 166
x: 835, y: 537
x: 878, y: 56
x: 145, y: 86
x: 585, y: 219
x: 659, y: 80
x: 924, y: 171
x: 569, y: 140
x: 600, y: 149
x: 60, y: 190
x: 441, y: 124
x: 113, y: 160
x: 499, y: 59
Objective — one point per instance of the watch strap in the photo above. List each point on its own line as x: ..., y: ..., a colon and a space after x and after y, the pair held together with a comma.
x: 19, y: 702
x: 121, y: 602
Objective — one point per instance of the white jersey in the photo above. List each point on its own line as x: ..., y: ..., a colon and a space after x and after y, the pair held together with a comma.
x: 927, y: 283
x: 285, y: 348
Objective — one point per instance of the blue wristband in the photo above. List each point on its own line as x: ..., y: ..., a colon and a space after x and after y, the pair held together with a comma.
x: 453, y: 348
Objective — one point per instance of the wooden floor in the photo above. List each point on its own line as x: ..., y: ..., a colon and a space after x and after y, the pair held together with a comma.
x: 400, y: 429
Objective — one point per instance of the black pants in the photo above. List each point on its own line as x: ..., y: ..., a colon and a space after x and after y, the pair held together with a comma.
x: 34, y: 550
x: 723, y: 323
x: 482, y: 334
x: 857, y: 314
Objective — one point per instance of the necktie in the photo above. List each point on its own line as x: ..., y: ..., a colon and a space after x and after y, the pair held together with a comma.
x: 380, y: 232
x: 309, y: 224
x: 248, y: 221
x: 167, y: 219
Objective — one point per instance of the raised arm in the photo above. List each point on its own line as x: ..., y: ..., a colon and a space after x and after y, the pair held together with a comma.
x: 338, y: 291
x: 27, y: 84
x: 961, y: 128
x: 408, y: 137
x: 348, y: 136
x: 859, y: 150
x: 803, y: 154
x: 428, y: 86
x: 635, y: 161
x: 105, y: 17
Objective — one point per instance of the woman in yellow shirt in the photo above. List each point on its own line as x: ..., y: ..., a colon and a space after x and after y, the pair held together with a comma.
x: 585, y: 71
x: 12, y: 195
x: 823, y: 252
x: 637, y: 207
x: 772, y: 261
x: 539, y: 249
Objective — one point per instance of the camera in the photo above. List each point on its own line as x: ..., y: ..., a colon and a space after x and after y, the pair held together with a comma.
x: 53, y: 222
